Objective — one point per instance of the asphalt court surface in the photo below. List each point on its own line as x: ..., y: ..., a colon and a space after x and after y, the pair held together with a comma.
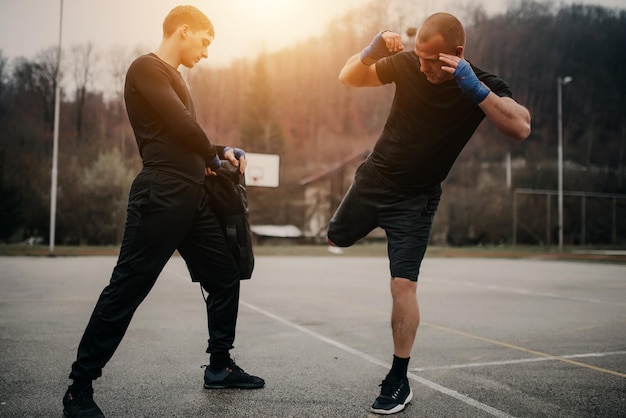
x: 521, y: 338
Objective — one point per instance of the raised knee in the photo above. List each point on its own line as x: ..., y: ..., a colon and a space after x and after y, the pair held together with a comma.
x: 336, y: 244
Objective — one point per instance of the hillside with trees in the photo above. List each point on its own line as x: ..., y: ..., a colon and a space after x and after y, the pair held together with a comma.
x: 290, y: 103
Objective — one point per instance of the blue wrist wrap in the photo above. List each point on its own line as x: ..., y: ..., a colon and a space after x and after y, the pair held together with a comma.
x: 469, y: 83
x: 376, y: 50
x: 238, y: 152
x: 215, y: 163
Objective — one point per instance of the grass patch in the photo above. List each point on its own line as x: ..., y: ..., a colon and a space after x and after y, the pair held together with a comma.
x: 360, y: 250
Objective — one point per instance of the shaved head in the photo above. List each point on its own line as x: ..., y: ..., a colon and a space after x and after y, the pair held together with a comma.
x: 445, y: 25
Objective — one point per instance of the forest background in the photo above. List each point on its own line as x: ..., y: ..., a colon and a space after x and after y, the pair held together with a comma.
x: 290, y: 103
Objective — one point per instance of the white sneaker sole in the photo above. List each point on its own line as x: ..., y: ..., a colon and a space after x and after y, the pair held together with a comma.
x: 396, y: 408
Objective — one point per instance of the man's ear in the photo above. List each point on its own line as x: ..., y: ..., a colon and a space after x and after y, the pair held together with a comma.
x: 458, y: 51
x: 184, y: 31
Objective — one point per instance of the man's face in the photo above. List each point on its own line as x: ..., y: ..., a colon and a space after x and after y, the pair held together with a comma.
x: 430, y: 65
x: 196, y: 47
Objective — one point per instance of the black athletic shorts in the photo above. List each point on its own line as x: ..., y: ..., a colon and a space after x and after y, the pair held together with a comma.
x: 374, y: 201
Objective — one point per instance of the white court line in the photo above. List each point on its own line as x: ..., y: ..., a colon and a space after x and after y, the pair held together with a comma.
x: 507, y: 362
x: 525, y: 292
x: 465, y: 399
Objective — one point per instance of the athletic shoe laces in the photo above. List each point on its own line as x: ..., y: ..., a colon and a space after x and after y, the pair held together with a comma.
x: 235, y: 369
x: 84, y: 397
x: 390, y: 389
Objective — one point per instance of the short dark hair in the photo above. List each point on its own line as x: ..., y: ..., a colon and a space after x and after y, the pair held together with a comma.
x: 449, y: 27
x: 188, y: 15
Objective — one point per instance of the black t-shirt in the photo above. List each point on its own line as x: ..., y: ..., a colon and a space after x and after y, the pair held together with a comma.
x: 163, y: 118
x: 428, y: 124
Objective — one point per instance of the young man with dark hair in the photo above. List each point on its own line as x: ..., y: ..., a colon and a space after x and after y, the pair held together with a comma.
x: 168, y: 210
x: 439, y: 102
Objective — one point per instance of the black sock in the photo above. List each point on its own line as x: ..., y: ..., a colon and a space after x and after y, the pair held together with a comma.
x: 219, y: 360
x: 80, y: 384
x: 399, y: 367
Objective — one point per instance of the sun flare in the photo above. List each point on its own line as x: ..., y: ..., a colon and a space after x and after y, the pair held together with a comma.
x: 273, y: 23
x: 269, y: 8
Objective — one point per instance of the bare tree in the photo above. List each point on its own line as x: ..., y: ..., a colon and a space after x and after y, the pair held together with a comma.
x: 82, y: 62
x: 39, y: 78
x: 118, y: 61
x: 3, y: 81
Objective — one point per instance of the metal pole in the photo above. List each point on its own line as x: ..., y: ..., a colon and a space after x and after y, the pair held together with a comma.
x: 509, y: 174
x: 560, y: 157
x: 560, y: 82
x: 614, y: 223
x: 514, y: 218
x: 548, y: 220
x: 583, y: 223
x: 55, y: 139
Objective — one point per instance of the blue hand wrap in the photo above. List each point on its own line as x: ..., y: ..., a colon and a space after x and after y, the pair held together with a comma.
x: 469, y: 83
x: 237, y: 151
x: 215, y: 163
x: 375, y: 50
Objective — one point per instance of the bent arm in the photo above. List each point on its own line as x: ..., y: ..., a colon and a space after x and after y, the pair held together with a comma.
x: 511, y: 118
x: 356, y: 74
x: 360, y: 70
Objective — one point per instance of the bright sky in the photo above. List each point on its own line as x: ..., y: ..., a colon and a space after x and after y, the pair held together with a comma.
x: 243, y: 27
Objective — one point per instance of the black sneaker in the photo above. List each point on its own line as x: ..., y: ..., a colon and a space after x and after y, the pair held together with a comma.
x: 394, y: 396
x: 79, y: 403
x: 231, y: 377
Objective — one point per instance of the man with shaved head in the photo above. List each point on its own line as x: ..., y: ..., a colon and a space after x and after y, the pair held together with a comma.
x: 440, y: 100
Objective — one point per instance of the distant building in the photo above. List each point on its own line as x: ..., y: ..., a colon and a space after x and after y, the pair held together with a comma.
x: 323, y: 192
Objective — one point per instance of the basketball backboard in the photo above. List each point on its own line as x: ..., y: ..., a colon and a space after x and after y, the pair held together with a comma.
x: 263, y: 170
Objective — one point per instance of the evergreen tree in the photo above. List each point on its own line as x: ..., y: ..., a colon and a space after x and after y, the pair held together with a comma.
x: 260, y: 128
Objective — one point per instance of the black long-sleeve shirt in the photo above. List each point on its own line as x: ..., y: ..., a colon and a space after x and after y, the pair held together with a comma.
x: 163, y: 118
